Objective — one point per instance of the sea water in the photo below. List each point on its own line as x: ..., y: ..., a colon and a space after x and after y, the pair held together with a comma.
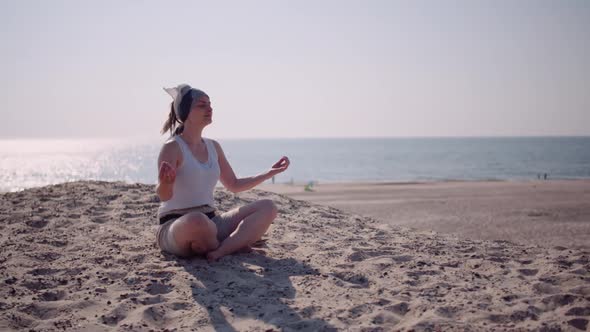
x: 26, y: 163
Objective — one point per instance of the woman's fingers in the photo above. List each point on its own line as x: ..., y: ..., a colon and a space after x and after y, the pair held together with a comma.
x: 171, y: 175
x: 168, y: 176
x: 162, y: 172
x: 281, y: 165
x: 284, y: 163
x: 284, y: 160
x: 165, y: 165
x: 167, y: 172
x: 169, y: 180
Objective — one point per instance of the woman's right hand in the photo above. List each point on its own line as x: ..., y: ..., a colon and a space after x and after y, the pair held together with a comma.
x: 167, y: 173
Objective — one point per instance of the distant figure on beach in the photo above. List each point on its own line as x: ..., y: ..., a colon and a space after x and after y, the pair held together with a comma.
x: 189, y: 166
x: 545, y: 176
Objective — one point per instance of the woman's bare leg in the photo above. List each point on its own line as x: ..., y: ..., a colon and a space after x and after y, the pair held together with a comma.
x: 195, y: 234
x: 258, y: 217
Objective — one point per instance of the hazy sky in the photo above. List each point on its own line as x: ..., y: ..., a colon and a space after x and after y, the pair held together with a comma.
x: 297, y: 68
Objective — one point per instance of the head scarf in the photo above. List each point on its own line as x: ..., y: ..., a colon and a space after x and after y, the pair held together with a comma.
x: 183, y: 96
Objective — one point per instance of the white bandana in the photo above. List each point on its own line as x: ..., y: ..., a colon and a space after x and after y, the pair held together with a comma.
x: 177, y: 93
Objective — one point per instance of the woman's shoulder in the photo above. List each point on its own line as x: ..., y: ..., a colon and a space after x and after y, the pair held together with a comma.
x: 212, y: 141
x: 215, y: 144
x: 171, y: 141
x: 170, y: 145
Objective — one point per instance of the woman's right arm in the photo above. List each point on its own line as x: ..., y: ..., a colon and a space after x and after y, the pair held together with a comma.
x: 168, y: 161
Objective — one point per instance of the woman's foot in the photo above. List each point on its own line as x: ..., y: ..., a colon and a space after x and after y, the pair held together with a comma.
x: 244, y: 250
x: 215, y: 255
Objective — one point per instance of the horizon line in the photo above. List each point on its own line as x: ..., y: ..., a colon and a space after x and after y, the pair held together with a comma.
x: 163, y: 137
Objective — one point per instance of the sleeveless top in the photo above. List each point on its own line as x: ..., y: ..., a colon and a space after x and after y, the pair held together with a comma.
x: 195, y: 181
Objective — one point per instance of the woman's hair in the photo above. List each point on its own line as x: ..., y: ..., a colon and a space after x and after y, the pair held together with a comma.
x: 173, y: 120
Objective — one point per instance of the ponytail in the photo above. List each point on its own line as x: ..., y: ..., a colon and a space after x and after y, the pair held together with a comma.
x: 170, y: 124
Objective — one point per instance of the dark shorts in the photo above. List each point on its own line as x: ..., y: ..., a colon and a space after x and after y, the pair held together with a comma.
x: 226, y: 223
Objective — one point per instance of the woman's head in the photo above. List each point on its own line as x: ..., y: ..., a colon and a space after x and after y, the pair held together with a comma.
x: 189, y: 106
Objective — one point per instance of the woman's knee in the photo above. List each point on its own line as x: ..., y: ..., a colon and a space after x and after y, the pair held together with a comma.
x: 203, y: 246
x: 196, y: 223
x: 195, y: 233
x: 270, y: 207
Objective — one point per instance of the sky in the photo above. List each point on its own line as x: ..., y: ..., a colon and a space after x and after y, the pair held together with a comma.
x: 278, y: 68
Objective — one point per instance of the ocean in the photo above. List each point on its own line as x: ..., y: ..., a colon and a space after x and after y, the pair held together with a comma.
x: 26, y: 163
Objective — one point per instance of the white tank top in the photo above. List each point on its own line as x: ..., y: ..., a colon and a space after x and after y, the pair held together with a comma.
x: 195, y: 181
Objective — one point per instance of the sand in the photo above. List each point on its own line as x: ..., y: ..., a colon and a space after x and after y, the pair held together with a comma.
x: 82, y: 257
x: 547, y: 213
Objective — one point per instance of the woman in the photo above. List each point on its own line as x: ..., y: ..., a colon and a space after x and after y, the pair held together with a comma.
x: 189, y: 168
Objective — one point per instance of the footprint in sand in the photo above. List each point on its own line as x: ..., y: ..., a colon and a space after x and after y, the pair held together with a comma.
x: 39, y: 284
x: 99, y: 219
x: 40, y: 310
x: 510, y: 298
x: 579, y: 323
x: 447, y: 311
x: 361, y: 254
x: 37, y: 222
x: 116, y: 315
x: 43, y: 271
x: 289, y: 246
x: 54, y: 243
x: 328, y: 215
x: 528, y: 272
x: 558, y: 300
x: 149, y: 300
x: 156, y: 288
x: 359, y: 310
x: 383, y: 318
x: 418, y: 274
x: 176, y: 306
x: 140, y: 258
x: 137, y: 248
x: 578, y: 311
x: 358, y: 280
x: 45, y: 256
x: 156, y: 314
x: 402, y: 258
x: 401, y: 308
x: 532, y: 313
x: 99, y: 214
x: 545, y: 288
x: 53, y: 295
x: 167, y: 275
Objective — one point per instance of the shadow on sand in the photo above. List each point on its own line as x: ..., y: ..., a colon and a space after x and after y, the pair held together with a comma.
x: 251, y: 287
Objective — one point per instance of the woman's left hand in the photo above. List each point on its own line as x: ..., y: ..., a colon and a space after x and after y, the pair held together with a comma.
x: 280, y: 166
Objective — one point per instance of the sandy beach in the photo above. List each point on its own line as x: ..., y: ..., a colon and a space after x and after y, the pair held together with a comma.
x: 81, y: 256
x: 546, y: 213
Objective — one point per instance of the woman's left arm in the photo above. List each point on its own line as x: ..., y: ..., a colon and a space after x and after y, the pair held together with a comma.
x: 232, y: 183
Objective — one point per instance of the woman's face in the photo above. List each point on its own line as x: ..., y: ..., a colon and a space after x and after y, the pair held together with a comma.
x: 201, y: 111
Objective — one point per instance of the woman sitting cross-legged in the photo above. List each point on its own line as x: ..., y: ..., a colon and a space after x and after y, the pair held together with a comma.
x: 189, y: 166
